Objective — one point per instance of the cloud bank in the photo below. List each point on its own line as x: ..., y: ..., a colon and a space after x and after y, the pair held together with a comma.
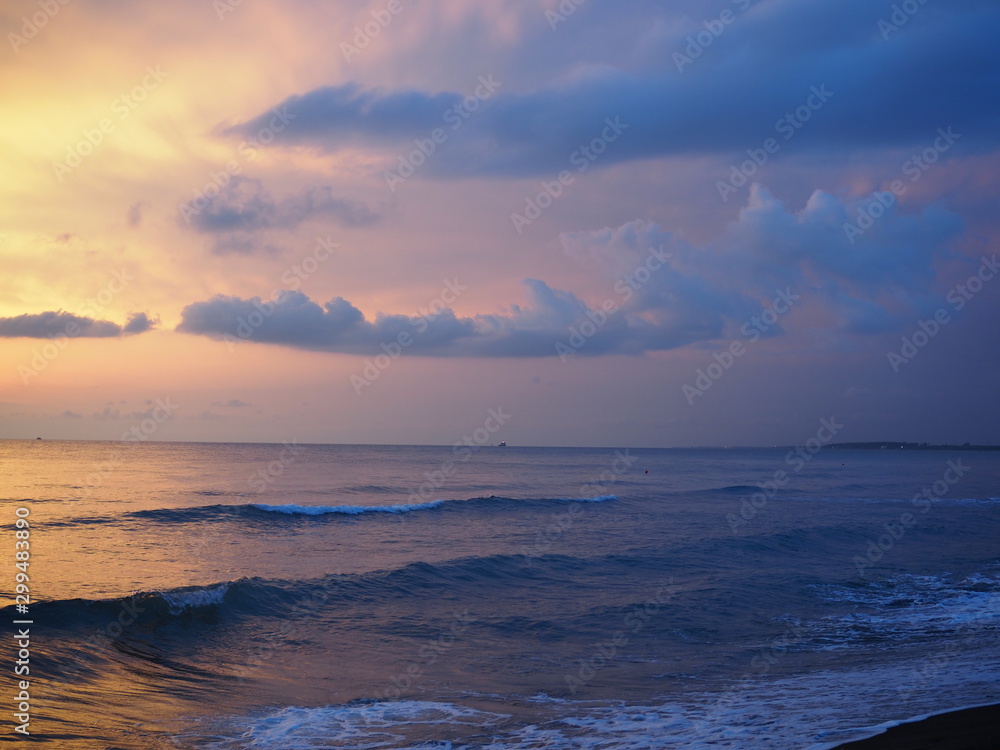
x: 660, y: 292
x: 244, y: 204
x: 239, y: 212
x: 58, y: 323
x: 887, y: 88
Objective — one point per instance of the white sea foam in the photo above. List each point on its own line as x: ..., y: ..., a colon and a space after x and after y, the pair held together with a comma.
x: 320, y: 510
x: 905, y: 606
x: 817, y: 711
x: 182, y: 600
x: 598, y: 499
x: 364, y: 726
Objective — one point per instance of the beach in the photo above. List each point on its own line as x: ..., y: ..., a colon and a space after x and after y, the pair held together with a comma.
x: 967, y: 729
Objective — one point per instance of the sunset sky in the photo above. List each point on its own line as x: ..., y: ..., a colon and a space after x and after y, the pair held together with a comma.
x: 623, y: 223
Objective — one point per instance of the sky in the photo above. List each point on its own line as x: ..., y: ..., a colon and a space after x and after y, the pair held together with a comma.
x: 690, y: 223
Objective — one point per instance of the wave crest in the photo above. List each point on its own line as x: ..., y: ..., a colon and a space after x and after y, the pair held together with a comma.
x: 352, y: 510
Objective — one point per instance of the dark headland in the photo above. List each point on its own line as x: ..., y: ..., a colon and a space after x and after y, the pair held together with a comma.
x: 968, y: 729
x: 899, y: 445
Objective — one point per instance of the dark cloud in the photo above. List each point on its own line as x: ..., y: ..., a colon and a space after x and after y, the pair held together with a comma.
x: 244, y: 205
x: 140, y: 323
x: 934, y: 71
x: 134, y: 216
x: 212, y: 417
x: 351, y: 112
x: 242, y: 243
x: 296, y: 320
x: 292, y: 319
x: 533, y: 330
x: 241, y: 211
x: 108, y: 413
x: 58, y: 323
x: 233, y: 403
x: 665, y: 293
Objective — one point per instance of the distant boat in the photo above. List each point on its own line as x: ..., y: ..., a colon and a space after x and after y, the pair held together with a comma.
x: 503, y: 444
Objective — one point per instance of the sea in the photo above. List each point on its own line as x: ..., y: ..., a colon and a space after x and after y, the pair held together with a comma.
x: 295, y: 597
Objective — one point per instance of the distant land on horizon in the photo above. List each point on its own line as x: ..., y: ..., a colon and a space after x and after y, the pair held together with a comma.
x: 897, y: 445
x: 875, y: 445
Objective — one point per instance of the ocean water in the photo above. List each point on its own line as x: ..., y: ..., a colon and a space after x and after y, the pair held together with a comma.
x: 293, y: 597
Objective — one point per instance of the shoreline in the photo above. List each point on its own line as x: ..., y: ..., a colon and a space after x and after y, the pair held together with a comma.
x: 961, y: 729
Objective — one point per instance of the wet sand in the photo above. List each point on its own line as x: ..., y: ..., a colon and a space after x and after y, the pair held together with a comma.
x: 968, y: 729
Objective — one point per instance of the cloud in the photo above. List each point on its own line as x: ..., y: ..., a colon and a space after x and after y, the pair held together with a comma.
x: 244, y: 205
x: 140, y: 323
x: 108, y: 413
x: 134, y: 216
x: 727, y: 99
x: 294, y: 319
x: 69, y: 414
x: 531, y: 330
x: 243, y: 209
x: 660, y: 291
x: 58, y: 323
x: 233, y: 403
x: 211, y: 417
x: 350, y: 113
